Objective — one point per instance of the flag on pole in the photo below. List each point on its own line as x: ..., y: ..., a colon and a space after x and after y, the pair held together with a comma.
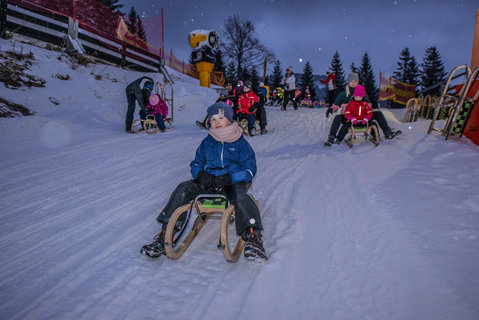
x: 386, y: 90
x: 124, y: 34
x: 403, y: 91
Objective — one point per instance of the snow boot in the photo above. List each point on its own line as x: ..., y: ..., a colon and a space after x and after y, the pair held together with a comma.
x: 264, y: 131
x: 252, y: 131
x: 391, y: 134
x: 253, y: 248
x: 330, y: 141
x: 156, y: 248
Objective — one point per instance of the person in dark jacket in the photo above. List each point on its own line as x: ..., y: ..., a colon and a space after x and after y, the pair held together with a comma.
x: 139, y: 90
x: 224, y: 163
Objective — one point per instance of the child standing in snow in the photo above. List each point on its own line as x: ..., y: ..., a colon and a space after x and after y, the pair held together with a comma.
x: 358, y: 112
x: 158, y: 108
x: 224, y: 164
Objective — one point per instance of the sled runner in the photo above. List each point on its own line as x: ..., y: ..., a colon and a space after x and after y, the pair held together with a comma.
x: 369, y: 132
x: 187, y: 221
x: 149, y: 125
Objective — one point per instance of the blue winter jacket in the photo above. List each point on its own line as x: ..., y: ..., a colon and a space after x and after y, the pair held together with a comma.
x: 215, y: 157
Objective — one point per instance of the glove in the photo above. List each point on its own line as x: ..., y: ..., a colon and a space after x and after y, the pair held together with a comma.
x: 328, y: 112
x: 205, y: 178
x: 364, y: 121
x: 354, y: 121
x: 222, y: 181
x: 253, y: 108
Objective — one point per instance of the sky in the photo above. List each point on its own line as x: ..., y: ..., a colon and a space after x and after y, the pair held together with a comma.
x: 388, y: 232
x: 299, y: 31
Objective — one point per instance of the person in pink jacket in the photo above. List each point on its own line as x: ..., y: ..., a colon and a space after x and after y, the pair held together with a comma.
x: 158, y: 108
x: 358, y: 112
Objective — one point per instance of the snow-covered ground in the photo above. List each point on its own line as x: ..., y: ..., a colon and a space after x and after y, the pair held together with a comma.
x: 387, y: 232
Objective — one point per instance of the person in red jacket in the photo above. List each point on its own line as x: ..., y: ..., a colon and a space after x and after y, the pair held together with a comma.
x: 358, y: 112
x: 247, y: 106
x: 330, y: 82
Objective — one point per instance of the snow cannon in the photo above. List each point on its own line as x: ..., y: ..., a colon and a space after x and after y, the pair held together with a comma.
x: 203, y: 42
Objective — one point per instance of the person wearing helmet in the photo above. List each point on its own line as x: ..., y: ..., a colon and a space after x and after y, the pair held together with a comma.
x: 139, y: 90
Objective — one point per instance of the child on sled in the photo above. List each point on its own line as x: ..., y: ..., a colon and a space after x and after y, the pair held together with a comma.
x: 358, y: 112
x: 158, y: 108
x: 247, y: 107
x: 224, y: 164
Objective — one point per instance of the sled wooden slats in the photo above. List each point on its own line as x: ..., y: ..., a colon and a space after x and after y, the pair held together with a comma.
x: 366, y: 132
x: 176, y: 247
x: 460, y: 115
x: 448, y: 101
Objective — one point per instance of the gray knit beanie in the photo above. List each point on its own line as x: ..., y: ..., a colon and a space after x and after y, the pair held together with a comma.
x: 353, y: 76
x: 220, y: 108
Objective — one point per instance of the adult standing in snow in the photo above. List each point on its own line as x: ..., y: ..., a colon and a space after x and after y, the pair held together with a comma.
x: 330, y: 82
x: 342, y: 101
x: 224, y: 164
x: 289, y: 89
x: 139, y: 90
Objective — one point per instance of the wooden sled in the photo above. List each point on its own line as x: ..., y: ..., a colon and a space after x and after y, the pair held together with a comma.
x: 149, y: 125
x: 370, y: 133
x: 187, y: 221
x: 244, y: 125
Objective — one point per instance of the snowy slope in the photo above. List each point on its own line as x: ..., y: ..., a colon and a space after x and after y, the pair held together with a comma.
x: 365, y: 233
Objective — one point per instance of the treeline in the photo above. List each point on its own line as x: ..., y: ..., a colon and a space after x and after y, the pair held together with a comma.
x: 133, y: 22
x: 241, y: 55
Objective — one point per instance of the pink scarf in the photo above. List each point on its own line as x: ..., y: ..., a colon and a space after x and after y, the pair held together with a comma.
x: 230, y: 133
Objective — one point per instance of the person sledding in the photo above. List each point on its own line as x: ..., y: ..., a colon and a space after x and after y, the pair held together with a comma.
x: 158, y: 108
x: 225, y: 164
x: 247, y: 107
x: 358, y: 112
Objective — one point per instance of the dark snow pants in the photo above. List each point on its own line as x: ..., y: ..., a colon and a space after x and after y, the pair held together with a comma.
x: 381, y: 120
x: 289, y: 96
x: 377, y: 115
x: 338, y: 119
x: 246, y: 211
x: 131, y: 98
x: 261, y: 115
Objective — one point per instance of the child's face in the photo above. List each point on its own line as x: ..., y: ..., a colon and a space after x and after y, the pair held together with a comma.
x: 357, y: 98
x: 219, y: 121
x: 246, y: 89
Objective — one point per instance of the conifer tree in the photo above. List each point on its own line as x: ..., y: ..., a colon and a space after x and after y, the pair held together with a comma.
x: 307, y: 77
x: 407, y: 70
x: 254, y: 79
x: 230, y: 73
x: 131, y: 21
x: 354, y: 69
x: 277, y: 75
x: 140, y: 29
x: 337, y: 68
x: 432, y: 70
x: 113, y: 4
x: 135, y: 25
x: 219, y: 63
x: 367, y: 79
